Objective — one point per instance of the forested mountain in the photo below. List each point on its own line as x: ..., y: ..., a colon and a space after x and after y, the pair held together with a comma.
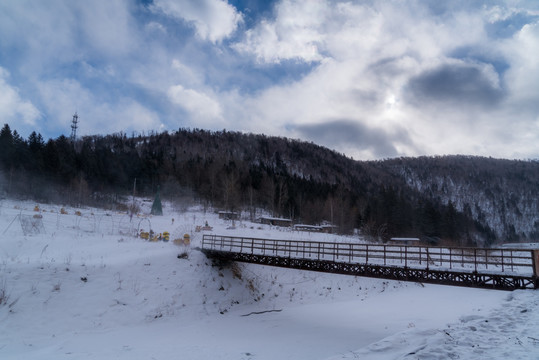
x: 503, y: 194
x: 462, y: 200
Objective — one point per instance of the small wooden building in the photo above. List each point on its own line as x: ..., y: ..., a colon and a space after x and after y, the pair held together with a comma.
x: 305, y: 227
x: 275, y: 221
x: 229, y: 215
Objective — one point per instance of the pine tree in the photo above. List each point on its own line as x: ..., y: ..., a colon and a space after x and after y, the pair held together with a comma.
x: 6, y: 146
x: 157, y: 209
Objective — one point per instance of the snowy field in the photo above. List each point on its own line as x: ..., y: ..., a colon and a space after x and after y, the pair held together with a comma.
x: 82, y: 287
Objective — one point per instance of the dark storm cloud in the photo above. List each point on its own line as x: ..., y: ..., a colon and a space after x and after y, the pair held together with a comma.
x: 338, y: 134
x: 454, y: 83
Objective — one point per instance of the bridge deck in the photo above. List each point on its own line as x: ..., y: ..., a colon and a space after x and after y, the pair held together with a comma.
x: 505, y: 269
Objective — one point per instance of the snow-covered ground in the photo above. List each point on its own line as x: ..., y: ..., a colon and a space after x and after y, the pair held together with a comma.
x: 82, y: 287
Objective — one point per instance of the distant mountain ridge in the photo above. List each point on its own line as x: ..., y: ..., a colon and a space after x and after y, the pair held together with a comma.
x: 463, y: 200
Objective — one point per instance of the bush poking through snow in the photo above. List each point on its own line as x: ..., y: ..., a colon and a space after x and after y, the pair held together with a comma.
x: 4, y: 295
x: 236, y: 270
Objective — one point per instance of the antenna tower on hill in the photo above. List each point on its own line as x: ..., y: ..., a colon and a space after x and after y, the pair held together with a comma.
x: 74, y: 127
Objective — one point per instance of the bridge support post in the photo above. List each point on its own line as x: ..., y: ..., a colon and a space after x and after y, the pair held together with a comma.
x: 535, y: 262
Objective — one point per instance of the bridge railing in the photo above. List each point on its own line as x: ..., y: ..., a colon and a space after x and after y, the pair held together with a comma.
x: 513, y: 261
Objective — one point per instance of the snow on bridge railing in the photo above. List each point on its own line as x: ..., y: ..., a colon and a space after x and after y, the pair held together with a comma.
x: 523, y: 262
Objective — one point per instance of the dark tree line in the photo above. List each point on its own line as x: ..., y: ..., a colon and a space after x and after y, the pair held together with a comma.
x: 234, y: 171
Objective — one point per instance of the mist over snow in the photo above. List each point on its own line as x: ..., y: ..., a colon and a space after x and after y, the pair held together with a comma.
x: 80, y: 286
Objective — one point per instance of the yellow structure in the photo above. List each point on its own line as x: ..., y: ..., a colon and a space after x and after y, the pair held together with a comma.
x: 186, y: 239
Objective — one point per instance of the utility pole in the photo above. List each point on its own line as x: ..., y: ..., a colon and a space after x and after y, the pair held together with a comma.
x: 133, y: 203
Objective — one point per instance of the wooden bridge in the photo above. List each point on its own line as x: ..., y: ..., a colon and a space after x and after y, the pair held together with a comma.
x: 503, y: 269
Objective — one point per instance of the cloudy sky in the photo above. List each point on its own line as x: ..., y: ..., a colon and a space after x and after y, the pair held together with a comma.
x: 371, y: 79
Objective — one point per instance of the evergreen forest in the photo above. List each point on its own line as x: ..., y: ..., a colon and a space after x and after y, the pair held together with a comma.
x: 457, y: 200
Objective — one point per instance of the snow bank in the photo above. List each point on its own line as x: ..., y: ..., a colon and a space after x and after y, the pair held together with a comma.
x: 84, y: 288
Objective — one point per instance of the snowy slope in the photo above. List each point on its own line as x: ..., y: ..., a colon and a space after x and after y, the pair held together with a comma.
x: 84, y: 288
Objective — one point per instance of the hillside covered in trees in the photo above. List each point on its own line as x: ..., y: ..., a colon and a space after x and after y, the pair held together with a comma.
x: 455, y: 199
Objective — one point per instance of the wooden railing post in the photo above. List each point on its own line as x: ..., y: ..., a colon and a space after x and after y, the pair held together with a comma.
x: 405, y: 257
x: 366, y: 254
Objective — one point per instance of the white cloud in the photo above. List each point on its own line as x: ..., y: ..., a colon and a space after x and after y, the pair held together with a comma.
x: 107, y: 26
x: 311, y: 31
x: 214, y: 20
x: 202, y: 108
x: 13, y: 108
x: 54, y: 33
x: 294, y: 34
x: 523, y: 76
x: 368, y: 54
x: 155, y: 27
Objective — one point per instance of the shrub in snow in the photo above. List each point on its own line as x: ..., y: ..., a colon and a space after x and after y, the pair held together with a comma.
x: 4, y: 296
